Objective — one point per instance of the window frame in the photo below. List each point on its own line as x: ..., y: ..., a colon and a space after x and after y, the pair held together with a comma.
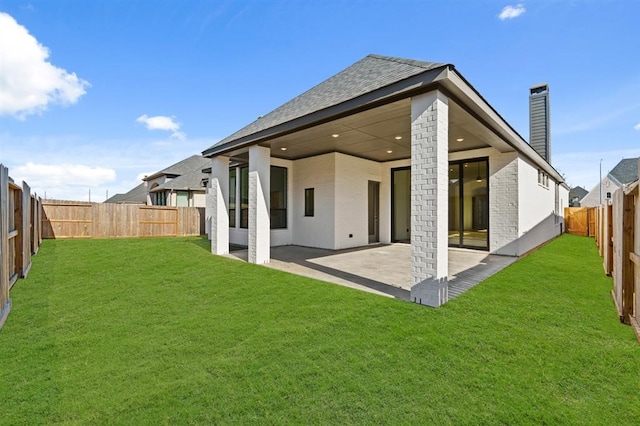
x: 309, y: 206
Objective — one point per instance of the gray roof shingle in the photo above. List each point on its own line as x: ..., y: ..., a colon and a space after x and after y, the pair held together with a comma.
x: 137, y: 195
x: 577, y: 191
x: 186, y: 175
x: 367, y: 75
x: 191, y: 181
x: 182, y: 167
x: 626, y: 171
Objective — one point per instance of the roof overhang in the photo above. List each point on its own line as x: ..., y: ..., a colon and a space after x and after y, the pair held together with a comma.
x: 469, y: 112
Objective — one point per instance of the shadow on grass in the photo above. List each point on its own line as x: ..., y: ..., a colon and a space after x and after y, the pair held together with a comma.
x: 203, y: 242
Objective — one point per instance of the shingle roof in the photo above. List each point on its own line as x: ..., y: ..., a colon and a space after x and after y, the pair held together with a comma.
x: 626, y: 171
x: 182, y: 167
x: 189, y: 181
x: 577, y: 191
x: 188, y: 174
x: 367, y: 75
x: 137, y: 195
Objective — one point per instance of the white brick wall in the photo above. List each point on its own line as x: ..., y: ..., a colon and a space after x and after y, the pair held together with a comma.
x: 429, y: 198
x: 503, y: 202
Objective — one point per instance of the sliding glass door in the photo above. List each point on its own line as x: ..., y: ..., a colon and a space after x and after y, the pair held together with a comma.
x: 469, y: 204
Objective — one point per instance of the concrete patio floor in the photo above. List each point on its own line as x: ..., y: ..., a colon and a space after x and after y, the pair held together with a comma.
x: 381, y: 269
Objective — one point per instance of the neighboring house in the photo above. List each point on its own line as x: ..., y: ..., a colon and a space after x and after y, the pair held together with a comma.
x: 388, y: 150
x: 576, y: 194
x: 137, y: 195
x: 180, y: 184
x: 625, y: 172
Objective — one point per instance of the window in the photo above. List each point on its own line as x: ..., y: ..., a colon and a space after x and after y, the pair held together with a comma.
x: 182, y: 198
x: 244, y: 197
x: 308, y: 202
x: 232, y: 196
x: 543, y: 179
x: 161, y: 199
x: 278, y: 197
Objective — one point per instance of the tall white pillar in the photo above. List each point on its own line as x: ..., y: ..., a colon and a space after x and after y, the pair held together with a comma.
x: 429, y: 198
x: 217, y: 199
x: 259, y: 221
x: 208, y: 208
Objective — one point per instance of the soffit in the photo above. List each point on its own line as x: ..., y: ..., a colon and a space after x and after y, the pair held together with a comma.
x: 372, y: 134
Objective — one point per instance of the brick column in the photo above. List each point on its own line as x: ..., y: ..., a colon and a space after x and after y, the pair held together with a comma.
x: 429, y: 198
x: 259, y: 222
x: 503, y: 204
x: 217, y: 198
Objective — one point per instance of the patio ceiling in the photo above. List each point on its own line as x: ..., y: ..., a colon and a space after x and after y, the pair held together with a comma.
x: 380, y: 134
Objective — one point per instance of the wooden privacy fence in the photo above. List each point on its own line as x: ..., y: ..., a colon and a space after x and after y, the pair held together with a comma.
x: 20, y: 235
x: 73, y: 219
x: 618, y: 239
x: 626, y: 255
x: 581, y: 220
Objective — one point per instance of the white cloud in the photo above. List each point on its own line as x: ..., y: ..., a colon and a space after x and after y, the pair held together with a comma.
x: 63, y: 181
x: 637, y: 126
x: 129, y: 159
x: 67, y: 174
x: 510, y: 12
x: 28, y: 81
x: 161, y: 122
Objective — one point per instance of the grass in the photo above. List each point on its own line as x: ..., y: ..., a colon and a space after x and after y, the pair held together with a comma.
x: 158, y: 331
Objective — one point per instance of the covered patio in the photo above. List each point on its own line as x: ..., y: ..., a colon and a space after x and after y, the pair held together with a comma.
x: 387, y: 151
x: 383, y: 269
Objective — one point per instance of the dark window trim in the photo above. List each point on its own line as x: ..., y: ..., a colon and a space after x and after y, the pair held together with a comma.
x: 286, y: 196
x: 244, y: 212
x: 460, y: 225
x: 393, y: 198
x: 309, y: 209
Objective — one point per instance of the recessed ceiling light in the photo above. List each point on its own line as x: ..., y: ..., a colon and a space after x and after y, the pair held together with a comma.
x: 389, y: 151
x: 335, y: 135
x: 460, y: 139
x: 284, y: 148
x: 398, y: 138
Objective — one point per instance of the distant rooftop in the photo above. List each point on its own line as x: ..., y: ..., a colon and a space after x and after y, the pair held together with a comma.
x: 626, y: 171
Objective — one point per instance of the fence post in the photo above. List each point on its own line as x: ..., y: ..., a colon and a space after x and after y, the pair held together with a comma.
x: 627, y: 265
x: 26, y: 229
x: 635, y: 259
x: 5, y: 300
x: 18, y: 217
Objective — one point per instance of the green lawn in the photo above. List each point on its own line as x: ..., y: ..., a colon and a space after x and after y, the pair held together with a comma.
x: 158, y: 331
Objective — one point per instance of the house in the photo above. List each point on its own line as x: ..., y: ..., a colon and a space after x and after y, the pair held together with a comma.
x: 625, y: 172
x: 576, y: 194
x: 178, y: 185
x: 137, y: 195
x: 388, y: 150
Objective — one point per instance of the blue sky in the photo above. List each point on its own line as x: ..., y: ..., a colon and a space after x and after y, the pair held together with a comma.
x: 126, y: 88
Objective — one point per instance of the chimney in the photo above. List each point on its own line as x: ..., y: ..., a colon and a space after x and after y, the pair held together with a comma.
x: 539, y: 129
